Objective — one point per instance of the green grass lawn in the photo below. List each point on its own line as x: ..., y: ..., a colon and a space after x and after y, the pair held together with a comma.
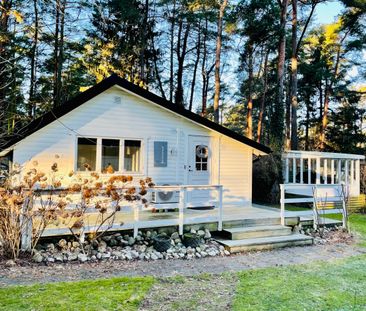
x: 111, y: 294
x: 334, y: 285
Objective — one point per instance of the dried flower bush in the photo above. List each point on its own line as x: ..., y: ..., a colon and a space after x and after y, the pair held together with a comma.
x: 32, y: 202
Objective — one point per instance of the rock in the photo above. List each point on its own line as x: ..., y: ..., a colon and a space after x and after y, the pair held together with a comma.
x: 142, y: 256
x: 102, y: 247
x: 99, y: 256
x: 50, y: 259
x: 123, y: 242
x: 198, y: 249
x: 58, y: 257
x: 128, y: 256
x: 10, y: 263
x: 204, y: 254
x: 106, y: 256
x: 134, y: 254
x: 117, y: 254
x: 113, y: 242
x: 198, y: 255
x: 107, y: 238
x: 62, y: 244
x: 37, y: 257
x: 131, y: 241
x: 226, y: 252
x: 201, y: 233
x: 178, y: 241
x: 211, y: 253
x: 174, y: 236
x: 93, y: 258
x: 72, y: 257
x: 207, y: 234
x: 193, y: 231
x: 190, y: 256
x: 148, y: 234
x: 82, y: 258
x: 50, y: 247
x: 75, y: 244
x: 147, y: 256
x: 154, y: 257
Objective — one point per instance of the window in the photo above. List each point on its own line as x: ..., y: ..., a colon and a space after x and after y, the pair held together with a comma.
x: 132, y: 152
x: 201, y: 157
x: 87, y: 154
x: 110, y: 155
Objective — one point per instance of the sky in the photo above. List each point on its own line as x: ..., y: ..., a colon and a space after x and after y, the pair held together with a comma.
x: 327, y: 12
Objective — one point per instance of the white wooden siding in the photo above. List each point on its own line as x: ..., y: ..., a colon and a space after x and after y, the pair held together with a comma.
x: 104, y: 117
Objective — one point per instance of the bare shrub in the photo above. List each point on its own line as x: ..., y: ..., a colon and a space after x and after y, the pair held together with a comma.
x: 30, y: 203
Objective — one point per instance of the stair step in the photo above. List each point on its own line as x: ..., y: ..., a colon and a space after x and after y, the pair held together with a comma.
x: 240, y: 233
x: 235, y: 246
x: 252, y: 222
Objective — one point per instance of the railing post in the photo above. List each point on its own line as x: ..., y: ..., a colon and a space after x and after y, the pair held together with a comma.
x: 339, y: 179
x: 182, y: 203
x: 286, y: 169
x: 301, y: 170
x: 136, y: 220
x: 352, y: 172
x: 220, y: 190
x: 315, y: 208
x: 294, y: 170
x: 346, y: 173
x: 309, y: 171
x: 332, y: 170
x: 282, y: 201
x: 317, y: 171
x: 26, y: 224
x: 325, y: 171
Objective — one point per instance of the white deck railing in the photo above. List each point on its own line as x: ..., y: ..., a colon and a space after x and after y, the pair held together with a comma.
x: 316, y: 168
x: 318, y: 196
x: 215, y: 200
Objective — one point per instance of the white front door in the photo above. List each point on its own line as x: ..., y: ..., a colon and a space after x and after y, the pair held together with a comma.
x: 199, y: 169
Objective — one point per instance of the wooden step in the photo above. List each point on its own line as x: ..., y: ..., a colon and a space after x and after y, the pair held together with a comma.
x: 235, y: 246
x: 240, y: 233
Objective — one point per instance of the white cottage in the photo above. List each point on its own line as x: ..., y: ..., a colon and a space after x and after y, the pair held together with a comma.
x: 120, y: 127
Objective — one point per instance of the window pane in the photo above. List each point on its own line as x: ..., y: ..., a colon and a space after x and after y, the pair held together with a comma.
x: 110, y: 155
x: 132, y: 155
x: 87, y: 154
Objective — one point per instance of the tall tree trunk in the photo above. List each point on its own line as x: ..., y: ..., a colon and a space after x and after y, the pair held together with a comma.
x: 56, y: 52
x: 328, y: 90
x: 288, y: 116
x: 263, y: 98
x: 307, y: 125
x: 193, y: 84
x: 249, y: 127
x: 217, y: 61
x: 143, y: 76
x: 60, y: 58
x: 204, y: 71
x: 277, y: 120
x: 293, y: 90
x: 156, y: 70
x: 5, y: 8
x: 171, y: 77
x: 33, y: 71
x: 181, y: 53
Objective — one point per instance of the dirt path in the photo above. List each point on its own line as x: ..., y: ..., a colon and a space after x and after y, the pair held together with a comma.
x: 31, y: 273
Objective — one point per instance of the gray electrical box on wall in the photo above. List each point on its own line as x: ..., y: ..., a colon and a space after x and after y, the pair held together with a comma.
x: 160, y: 153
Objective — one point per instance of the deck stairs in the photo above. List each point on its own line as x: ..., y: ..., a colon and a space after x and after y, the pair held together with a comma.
x: 261, y: 235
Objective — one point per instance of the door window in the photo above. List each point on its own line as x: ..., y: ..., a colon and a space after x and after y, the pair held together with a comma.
x: 201, y: 157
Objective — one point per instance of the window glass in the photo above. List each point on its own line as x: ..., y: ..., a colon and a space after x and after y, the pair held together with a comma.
x: 201, y: 157
x: 110, y: 155
x: 87, y: 154
x: 132, y: 154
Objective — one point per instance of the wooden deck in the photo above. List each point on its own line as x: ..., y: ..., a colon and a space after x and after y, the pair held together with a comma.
x: 125, y: 220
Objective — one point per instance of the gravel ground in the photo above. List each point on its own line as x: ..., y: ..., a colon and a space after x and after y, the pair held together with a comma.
x: 28, y: 273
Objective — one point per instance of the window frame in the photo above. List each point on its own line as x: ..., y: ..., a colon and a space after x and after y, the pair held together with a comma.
x: 99, y: 152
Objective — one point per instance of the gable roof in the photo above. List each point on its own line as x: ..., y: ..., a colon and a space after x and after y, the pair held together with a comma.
x: 113, y: 80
